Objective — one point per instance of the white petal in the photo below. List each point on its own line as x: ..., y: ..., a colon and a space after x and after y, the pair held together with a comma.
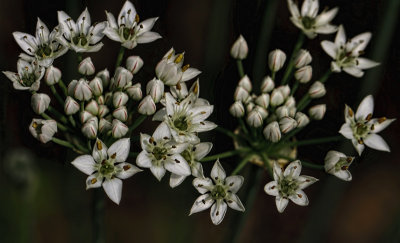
x: 278, y: 173
x: 143, y: 160
x: 364, y: 63
x: 202, y: 203
x: 147, y: 24
x: 354, y: 71
x: 346, y: 131
x: 343, y: 175
x: 128, y: 13
x: 331, y: 158
x: 357, y: 146
x: 234, y: 202
x: 178, y: 148
x: 113, y: 189
x: 158, y: 172
x: 217, y: 172
x: 201, y: 150
x: 160, y: 115
x: 299, y: 198
x: 121, y: 149
x: 218, y: 211
x: 360, y: 42
x: 162, y: 132
x: 294, y: 10
x: 42, y: 32
x: 365, y: 108
x: 177, y: 165
x: 340, y: 39
x: 147, y: 37
x: 144, y: 141
x: 326, y: 17
x: 197, y: 170
x: 326, y: 29
x: 111, y: 20
x: 293, y: 169
x: 281, y: 203
x: 376, y: 142
x: 99, y: 151
x: 306, y: 181
x: 96, y: 32
x: 200, y: 113
x: 112, y: 34
x: 205, y: 126
x: 234, y: 183
x: 170, y: 102
x: 330, y: 48
x: 175, y: 180
x: 271, y: 188
x: 127, y: 170
x: 94, y: 181
x: 203, y: 185
x: 379, y: 126
x: 85, y: 163
x: 83, y: 22
x: 26, y: 41
x: 190, y: 73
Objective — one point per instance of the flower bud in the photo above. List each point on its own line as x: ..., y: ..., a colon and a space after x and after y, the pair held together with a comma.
x: 104, y: 125
x: 89, y: 129
x: 237, y: 109
x: 304, y: 74
x: 135, y: 91
x: 121, y: 113
x: 263, y: 112
x: 290, y: 102
x: 302, y: 119
x: 103, y: 110
x: 70, y: 106
x: 121, y: 78
x: 120, y: 99
x: 292, y: 111
x: 317, y: 90
x: 100, y: 100
x: 241, y: 94
x: 276, y: 60
x: 71, y: 87
x: 254, y: 119
x: 276, y: 98
x: 108, y: 98
x: 147, y: 106
x: 286, y: 124
x: 40, y: 103
x: 155, y: 88
x: 303, y: 58
x: 239, y: 49
x: 104, y: 75
x: 282, y: 111
x: 263, y: 100
x: 134, y: 64
x: 97, y: 86
x: 119, y: 129
x: 82, y: 91
x: 267, y: 85
x: 85, y: 116
x: 245, y: 83
x: 272, y: 132
x: 317, y: 112
x: 86, y: 67
x: 92, y: 107
x: 285, y: 90
x: 43, y: 130
x: 52, y: 75
x: 250, y: 106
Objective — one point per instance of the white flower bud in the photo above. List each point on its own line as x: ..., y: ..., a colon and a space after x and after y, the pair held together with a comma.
x: 43, y: 130
x: 155, y: 88
x: 302, y: 119
x: 121, y: 78
x: 254, y: 119
x: 286, y: 124
x: 239, y: 49
x: 241, y: 94
x: 85, y: 116
x: 70, y: 106
x: 103, y: 110
x: 276, y: 60
x: 180, y: 91
x: 135, y: 91
x: 317, y: 112
x: 282, y: 111
x: 82, y: 90
x: 89, y: 129
x: 108, y: 98
x: 292, y: 111
x: 303, y: 58
x: 237, y: 109
x: 263, y: 112
x: 147, y: 106
x: 267, y: 85
x: 97, y: 86
x: 134, y: 64
x: 92, y: 107
x: 121, y: 113
x: 276, y: 98
x: 119, y: 129
x: 100, y: 100
x: 304, y: 74
x: 71, y: 87
x: 317, y: 90
x: 104, y: 125
x: 168, y: 72
x: 245, y: 83
x: 120, y: 99
x: 40, y: 103
x: 52, y: 75
x: 272, y: 132
x: 104, y: 75
x: 285, y: 90
x: 290, y: 102
x: 249, y: 107
x: 86, y: 67
x: 263, y: 100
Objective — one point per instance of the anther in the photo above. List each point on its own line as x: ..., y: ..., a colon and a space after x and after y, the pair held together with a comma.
x: 114, y: 156
x: 99, y: 145
x: 186, y: 67
x: 179, y: 58
x: 126, y: 167
x: 369, y: 116
x: 137, y: 19
x: 93, y: 181
x: 35, y: 125
x: 382, y: 119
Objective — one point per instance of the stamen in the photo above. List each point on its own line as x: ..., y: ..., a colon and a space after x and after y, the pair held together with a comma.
x: 93, y: 181
x: 34, y: 125
x: 179, y: 58
x: 99, y: 145
x: 382, y: 119
x: 126, y: 167
x: 186, y: 67
x: 369, y: 116
x: 114, y: 156
x: 137, y: 19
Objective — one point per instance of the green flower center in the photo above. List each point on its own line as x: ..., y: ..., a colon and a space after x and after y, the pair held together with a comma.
x: 159, y: 153
x: 343, y: 164
x: 218, y: 192
x: 44, y: 51
x: 106, y: 168
x: 187, y: 156
x: 360, y: 130
x: 308, y: 22
x: 81, y: 38
x: 127, y: 32
x: 287, y: 186
x: 28, y: 79
x: 181, y: 123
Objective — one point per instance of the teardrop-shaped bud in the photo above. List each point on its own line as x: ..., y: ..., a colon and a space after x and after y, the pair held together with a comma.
x: 71, y: 87
x: 40, y: 102
x: 82, y: 91
x: 97, y: 86
x: 85, y: 116
x: 317, y: 112
x: 119, y: 129
x: 267, y: 85
x: 103, y: 110
x: 104, y: 75
x: 290, y: 102
x: 100, y: 100
x: 254, y: 119
x: 86, y: 67
x: 287, y: 124
x: 245, y: 83
x: 134, y: 64
x: 104, y: 125
x: 276, y: 98
x: 89, y: 129
x: 70, y: 106
x: 282, y: 111
x: 147, y: 106
x: 121, y: 113
x: 276, y: 60
x: 92, y: 107
x: 317, y: 90
x: 135, y: 91
x: 120, y: 99
x: 239, y: 49
x: 285, y: 90
x: 302, y: 119
x: 155, y: 88
x: 52, y: 75
x: 272, y: 132
x: 263, y: 112
x: 237, y: 109
x: 241, y: 94
x: 303, y: 74
x: 303, y: 58
x: 121, y: 78
x: 263, y: 100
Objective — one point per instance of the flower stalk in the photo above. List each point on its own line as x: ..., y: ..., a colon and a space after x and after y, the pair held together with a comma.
x: 289, y: 68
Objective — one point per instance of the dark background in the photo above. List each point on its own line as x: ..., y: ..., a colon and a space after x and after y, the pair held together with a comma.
x: 44, y: 199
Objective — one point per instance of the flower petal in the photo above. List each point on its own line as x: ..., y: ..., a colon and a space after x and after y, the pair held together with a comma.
x: 203, y: 185
x: 177, y: 165
x: 175, y: 180
x: 299, y: 198
x: 294, y: 10
x: 271, y: 188
x: 201, y: 150
x: 127, y: 14
x: 147, y: 37
x: 380, y: 125
x: 365, y: 108
x: 326, y: 17
x: 376, y: 142
x: 85, y: 163
x: 94, y: 181
x: 26, y: 41
x: 197, y: 170
x: 121, y: 149
x: 218, y: 211
x: 162, y: 132
x: 144, y: 141
x: 189, y: 74
x: 126, y: 170
x: 305, y: 181
x: 112, y: 34
x: 346, y: 131
x: 217, y: 172
x: 364, y: 63
x: 202, y: 203
x: 234, y: 202
x: 293, y: 169
x: 330, y: 48
x: 143, y: 160
x: 234, y: 183
x: 278, y: 172
x: 113, y: 189
x: 357, y: 146
x: 340, y: 39
x: 158, y: 171
x: 354, y: 71
x: 281, y: 203
x: 343, y: 175
x: 99, y: 151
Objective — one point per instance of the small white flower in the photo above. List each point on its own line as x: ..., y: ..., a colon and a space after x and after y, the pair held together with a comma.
x: 218, y: 195
x: 70, y: 106
x: 239, y: 49
x: 161, y: 153
x: 282, y: 111
x: 86, y: 67
x: 362, y: 130
x: 272, y: 132
x: 80, y: 36
x: 52, y: 75
x: 317, y: 112
x: 267, y: 85
x: 317, y: 90
x: 302, y: 59
x: 134, y: 64
x: 155, y: 88
x: 119, y: 129
x: 147, y: 106
x: 43, y: 130
x: 106, y: 167
x: 345, y: 54
x: 28, y: 76
x: 43, y: 46
x: 285, y: 90
x: 289, y: 185
x: 245, y: 83
x: 40, y: 102
x: 127, y: 28
x: 303, y: 74
x: 276, y: 60
x: 337, y: 164
x: 309, y: 21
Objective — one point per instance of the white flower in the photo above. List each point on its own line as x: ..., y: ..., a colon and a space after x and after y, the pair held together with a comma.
x: 52, y: 75
x: 80, y: 36
x: 277, y: 98
x: 43, y: 130
x: 40, y: 102
x: 192, y: 154
x: 362, y: 130
x: 245, y: 83
x: 155, y: 88
x: 106, y: 167
x: 92, y: 107
x: 309, y: 21
x: 161, y: 153
x: 346, y: 54
x: 289, y: 185
x: 302, y: 119
x: 134, y: 64
x: 121, y: 113
x: 86, y: 67
x: 218, y: 195
x: 43, y: 46
x: 239, y: 49
x: 28, y: 76
x: 276, y: 59
x: 127, y: 28
x: 302, y: 59
x: 337, y: 164
x: 241, y: 94
x: 185, y: 119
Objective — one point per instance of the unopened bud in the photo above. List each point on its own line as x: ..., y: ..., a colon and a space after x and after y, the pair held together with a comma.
x: 263, y: 100
x: 245, y: 83
x: 272, y: 132
x: 43, y: 130
x: 104, y: 75
x: 103, y: 110
x: 135, y: 91
x: 134, y: 64
x: 119, y: 129
x: 285, y: 90
x: 120, y: 99
x: 263, y: 112
x: 241, y: 94
x: 70, y: 106
x: 155, y: 88
x: 303, y: 58
x: 254, y: 119
x: 317, y: 112
x: 302, y: 119
x: 92, y: 107
x: 121, y: 113
x: 317, y: 90
x: 40, y: 103
x: 239, y: 49
x: 147, y: 106
x: 304, y: 74
x: 52, y: 75
x: 121, y: 78
x: 89, y: 129
x: 276, y: 60
x: 287, y: 124
x: 290, y: 102
x: 97, y: 86
x: 85, y: 116
x: 237, y: 109
x: 267, y: 85
x: 104, y: 125
x: 86, y: 67
x: 282, y: 111
x: 276, y: 98
x: 82, y: 91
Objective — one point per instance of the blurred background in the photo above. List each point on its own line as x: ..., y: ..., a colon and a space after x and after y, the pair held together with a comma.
x: 43, y: 198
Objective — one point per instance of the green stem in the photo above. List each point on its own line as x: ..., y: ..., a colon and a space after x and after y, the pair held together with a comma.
x: 226, y: 154
x: 243, y: 126
x: 63, y: 87
x: 98, y: 216
x: 58, y: 97
x: 120, y: 57
x: 58, y: 115
x: 242, y: 164
x: 326, y: 75
x: 240, y: 68
x: 315, y: 141
x: 137, y: 122
x: 72, y: 120
x: 59, y: 125
x: 63, y: 143
x: 294, y: 88
x: 289, y: 68
x: 312, y: 165
x: 267, y: 164
x: 226, y: 132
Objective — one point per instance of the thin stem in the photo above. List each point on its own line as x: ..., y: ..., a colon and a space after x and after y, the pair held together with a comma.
x: 63, y: 87
x: 137, y: 122
x: 226, y: 132
x: 243, y: 126
x: 120, y: 57
x: 63, y: 143
x: 72, y: 120
x: 240, y: 68
x: 58, y: 97
x: 98, y: 216
x: 326, y: 75
x: 294, y: 88
x: 226, y: 154
x: 59, y: 125
x: 267, y: 164
x: 242, y: 164
x: 315, y: 141
x: 58, y: 115
x: 289, y: 68
x: 306, y: 98
x: 312, y: 165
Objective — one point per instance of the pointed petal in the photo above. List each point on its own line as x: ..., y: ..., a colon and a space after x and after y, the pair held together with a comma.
x: 218, y: 211
x: 83, y: 22
x: 234, y: 183
x: 96, y: 32
x: 234, y: 202
x: 147, y: 25
x: 85, y: 163
x: 111, y: 20
x: 99, y: 151
x: 346, y: 131
x: 376, y: 142
x: 205, y: 126
x: 330, y: 48
x: 364, y: 63
x: 127, y: 14
x: 158, y: 172
x: 202, y: 203
x: 340, y: 39
x: 175, y: 180
x: 358, y: 147
x: 217, y: 172
x: 360, y: 42
x: 326, y: 17
x: 26, y: 41
x: 177, y: 165
x: 144, y: 141
x: 179, y: 148
x: 271, y: 188
x: 197, y: 170
x: 201, y: 150
x: 94, y: 181
x: 278, y: 173
x: 112, y: 34
x: 281, y: 203
x: 126, y: 170
x: 189, y: 74
x: 200, y: 113
x: 162, y: 132
x: 365, y: 108
x: 147, y: 37
x: 326, y: 29
x: 121, y: 149
x: 113, y: 189
x: 170, y: 102
x: 306, y: 181
x: 293, y: 169
x: 203, y: 185
x: 380, y: 125
x: 294, y: 10
x: 42, y: 32
x: 354, y: 71
x: 299, y: 198
x: 143, y: 160
x: 343, y: 175
x: 160, y: 115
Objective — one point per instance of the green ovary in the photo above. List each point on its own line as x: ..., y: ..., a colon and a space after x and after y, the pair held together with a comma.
x: 218, y: 192
x: 308, y: 22
x: 44, y: 51
x: 106, y: 168
x: 80, y: 38
x: 287, y: 187
x: 181, y: 123
x: 28, y: 79
x: 159, y: 153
